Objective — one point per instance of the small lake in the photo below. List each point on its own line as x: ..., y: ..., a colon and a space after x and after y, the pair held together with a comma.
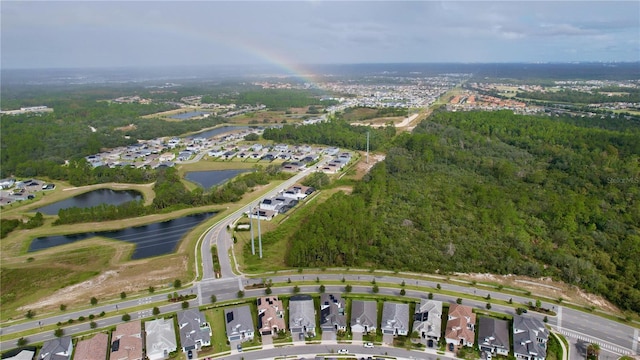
x: 210, y: 178
x: 91, y: 199
x: 151, y: 240
x: 217, y: 131
x: 188, y: 115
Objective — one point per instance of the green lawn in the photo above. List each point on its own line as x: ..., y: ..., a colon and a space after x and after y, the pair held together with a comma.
x: 215, y: 317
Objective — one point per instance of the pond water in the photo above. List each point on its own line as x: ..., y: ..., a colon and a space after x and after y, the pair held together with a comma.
x: 188, y: 115
x: 91, y: 199
x: 151, y: 240
x: 207, y: 179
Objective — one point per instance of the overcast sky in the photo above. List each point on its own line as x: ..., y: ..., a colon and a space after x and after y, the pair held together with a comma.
x: 158, y: 33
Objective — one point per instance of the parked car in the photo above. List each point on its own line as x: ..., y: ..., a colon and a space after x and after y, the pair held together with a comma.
x: 368, y: 345
x: 190, y: 354
x: 343, y: 351
x: 239, y: 348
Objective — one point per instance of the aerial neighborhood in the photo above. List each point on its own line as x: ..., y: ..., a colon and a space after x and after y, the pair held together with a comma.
x: 190, y: 332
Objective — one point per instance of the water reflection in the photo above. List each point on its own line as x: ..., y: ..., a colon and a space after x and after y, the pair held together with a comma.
x: 91, y: 199
x: 207, y: 179
x: 151, y: 239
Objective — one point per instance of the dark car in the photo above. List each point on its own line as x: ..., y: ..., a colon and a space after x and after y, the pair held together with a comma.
x: 239, y: 348
x: 190, y: 354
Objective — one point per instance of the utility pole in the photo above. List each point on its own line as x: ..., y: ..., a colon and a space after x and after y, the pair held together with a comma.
x: 367, y: 147
x: 253, y: 246
x: 259, y: 235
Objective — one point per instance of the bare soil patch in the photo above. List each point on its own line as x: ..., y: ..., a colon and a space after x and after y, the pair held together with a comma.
x: 546, y: 287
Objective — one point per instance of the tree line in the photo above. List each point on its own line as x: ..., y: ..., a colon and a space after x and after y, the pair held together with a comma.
x: 334, y: 132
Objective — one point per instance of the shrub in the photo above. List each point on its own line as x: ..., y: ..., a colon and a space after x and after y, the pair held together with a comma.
x: 126, y: 317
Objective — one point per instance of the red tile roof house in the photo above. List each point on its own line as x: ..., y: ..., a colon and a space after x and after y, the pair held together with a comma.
x: 94, y: 348
x: 461, y: 323
x: 126, y: 341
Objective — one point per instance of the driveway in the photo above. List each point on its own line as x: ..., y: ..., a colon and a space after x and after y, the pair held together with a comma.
x: 329, y: 336
x: 267, y: 340
x: 356, y: 336
x: 387, y: 339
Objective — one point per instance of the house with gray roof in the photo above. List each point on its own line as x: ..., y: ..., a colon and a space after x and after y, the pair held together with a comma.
x: 160, y: 339
x: 364, y: 316
x: 530, y: 338
x: 427, y: 321
x: 195, y: 331
x: 302, y: 316
x: 493, y: 336
x: 332, y: 313
x: 239, y: 324
x: 56, y: 349
x: 395, y: 319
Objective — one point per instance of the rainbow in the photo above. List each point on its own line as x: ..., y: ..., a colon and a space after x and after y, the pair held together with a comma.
x: 258, y: 51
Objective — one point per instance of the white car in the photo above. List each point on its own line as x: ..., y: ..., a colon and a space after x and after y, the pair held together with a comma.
x: 343, y: 351
x: 368, y: 345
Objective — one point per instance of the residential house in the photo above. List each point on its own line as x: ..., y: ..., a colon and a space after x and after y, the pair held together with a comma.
x: 94, y: 348
x: 24, y: 354
x: 239, y: 324
x: 530, y: 338
x: 126, y: 341
x: 331, y: 151
x: 427, y: 321
x: 229, y: 155
x: 270, y: 315
x: 160, y: 338
x: 364, y: 316
x: 461, y: 323
x: 332, y: 313
x: 256, y: 147
x: 302, y: 316
x: 493, y: 336
x: 184, y: 155
x: 281, y: 147
x: 57, y: 349
x: 395, y: 319
x: 195, y: 331
x: 267, y: 215
x: 270, y: 204
x: 292, y: 166
x: 166, y: 157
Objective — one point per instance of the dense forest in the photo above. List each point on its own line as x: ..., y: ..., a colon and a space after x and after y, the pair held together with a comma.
x: 334, y: 132
x: 493, y: 192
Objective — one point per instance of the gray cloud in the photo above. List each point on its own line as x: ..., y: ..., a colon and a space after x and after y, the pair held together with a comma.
x: 141, y: 33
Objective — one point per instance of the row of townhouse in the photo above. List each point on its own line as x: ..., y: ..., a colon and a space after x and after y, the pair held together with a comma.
x: 159, y: 336
x: 129, y: 342
x: 281, y: 202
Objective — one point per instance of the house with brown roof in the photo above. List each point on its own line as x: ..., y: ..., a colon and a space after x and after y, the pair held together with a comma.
x: 94, y: 348
x: 126, y: 342
x: 270, y: 315
x: 461, y: 323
